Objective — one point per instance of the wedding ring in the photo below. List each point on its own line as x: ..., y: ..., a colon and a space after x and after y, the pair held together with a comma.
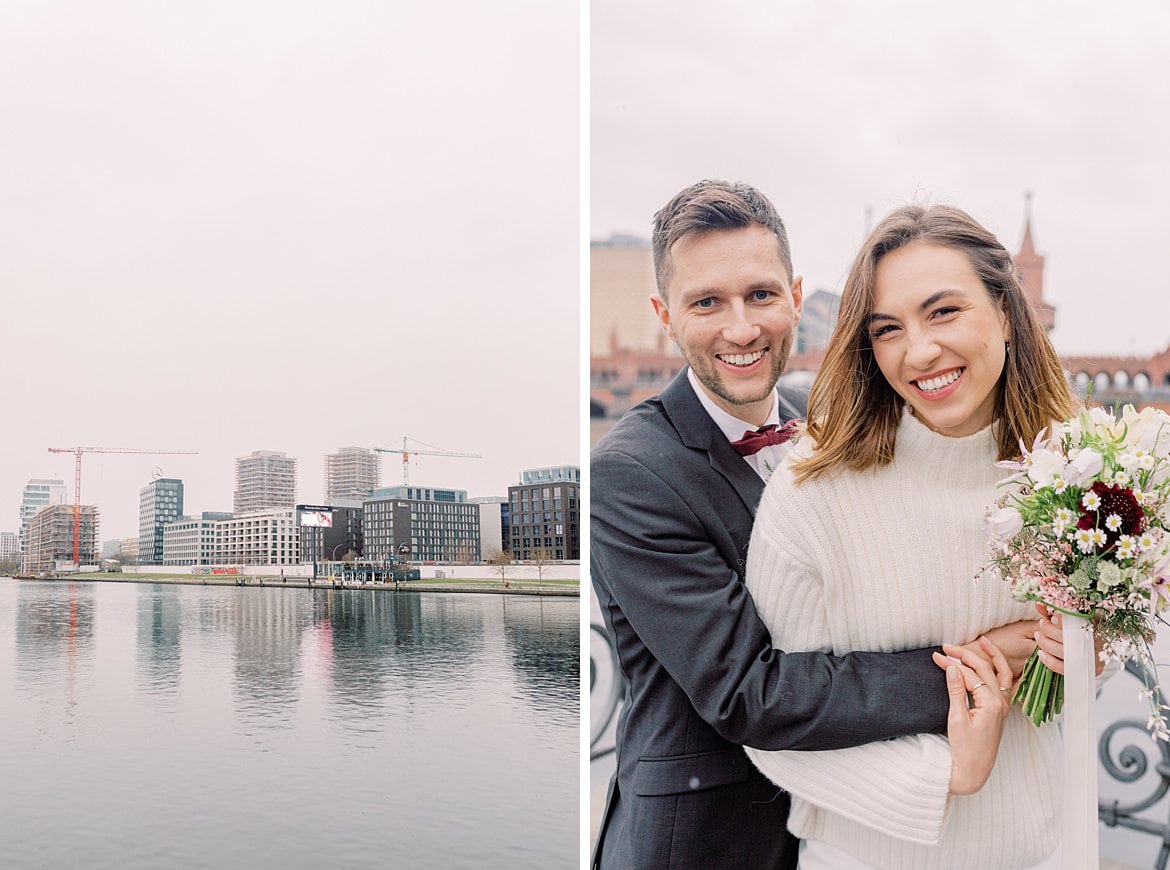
x: 978, y: 685
x: 1005, y: 690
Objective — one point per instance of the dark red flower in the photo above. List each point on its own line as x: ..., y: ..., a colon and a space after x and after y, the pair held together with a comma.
x: 1114, y: 500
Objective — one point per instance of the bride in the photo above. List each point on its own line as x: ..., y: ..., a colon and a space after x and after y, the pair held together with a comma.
x: 868, y: 537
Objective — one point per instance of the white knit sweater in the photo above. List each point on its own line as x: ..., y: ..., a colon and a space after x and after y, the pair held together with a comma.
x: 886, y: 560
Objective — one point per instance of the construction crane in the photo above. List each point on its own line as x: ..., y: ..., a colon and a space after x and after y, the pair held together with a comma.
x: 407, y: 452
x: 78, y: 451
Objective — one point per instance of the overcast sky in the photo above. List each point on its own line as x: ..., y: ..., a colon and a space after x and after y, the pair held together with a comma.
x: 831, y: 108
x: 292, y: 225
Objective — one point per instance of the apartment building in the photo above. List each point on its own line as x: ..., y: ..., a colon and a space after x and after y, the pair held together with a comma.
x: 545, y: 513
x: 39, y: 493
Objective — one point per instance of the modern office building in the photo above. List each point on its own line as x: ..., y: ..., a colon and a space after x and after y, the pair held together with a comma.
x: 9, y: 547
x: 494, y: 530
x: 552, y: 474
x: 39, y: 493
x: 265, y: 480
x: 817, y: 321
x: 420, y: 524
x: 159, y: 502
x: 544, y: 514
x: 194, y: 540
x: 351, y: 473
x: 259, y: 538
x: 49, y: 538
x: 332, y: 543
x: 621, y: 277
x: 128, y: 550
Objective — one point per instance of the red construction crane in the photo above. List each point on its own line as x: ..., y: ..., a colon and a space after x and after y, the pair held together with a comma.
x: 77, y: 451
x: 407, y: 452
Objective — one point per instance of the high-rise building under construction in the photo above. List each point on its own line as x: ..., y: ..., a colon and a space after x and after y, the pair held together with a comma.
x: 351, y: 473
x: 265, y: 479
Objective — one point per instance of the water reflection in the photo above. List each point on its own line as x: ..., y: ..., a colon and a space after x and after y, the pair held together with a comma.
x: 53, y: 631
x: 545, y: 650
x: 266, y: 629
x: 248, y: 715
x: 160, y: 640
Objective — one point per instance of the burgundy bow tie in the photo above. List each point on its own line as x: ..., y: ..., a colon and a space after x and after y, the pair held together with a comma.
x: 754, y: 442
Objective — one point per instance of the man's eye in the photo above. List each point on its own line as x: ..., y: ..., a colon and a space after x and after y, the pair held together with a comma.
x: 762, y: 295
x: 705, y: 303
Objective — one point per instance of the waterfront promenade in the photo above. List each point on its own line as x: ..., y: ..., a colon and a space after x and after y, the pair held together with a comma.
x: 556, y: 587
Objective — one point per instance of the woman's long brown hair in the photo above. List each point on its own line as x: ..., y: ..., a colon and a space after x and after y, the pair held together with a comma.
x: 853, y: 412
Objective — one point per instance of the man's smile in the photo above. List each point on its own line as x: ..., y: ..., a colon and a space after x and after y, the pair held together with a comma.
x: 742, y: 360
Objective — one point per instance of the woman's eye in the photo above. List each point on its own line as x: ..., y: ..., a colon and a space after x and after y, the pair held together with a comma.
x: 945, y: 311
x: 879, y: 332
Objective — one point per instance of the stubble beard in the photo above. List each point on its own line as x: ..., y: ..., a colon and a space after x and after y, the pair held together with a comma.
x: 709, y: 376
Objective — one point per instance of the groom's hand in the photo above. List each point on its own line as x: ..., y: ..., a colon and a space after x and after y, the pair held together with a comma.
x: 974, y: 732
x: 1016, y: 641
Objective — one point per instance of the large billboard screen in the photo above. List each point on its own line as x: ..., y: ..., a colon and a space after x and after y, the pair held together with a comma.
x: 315, y: 516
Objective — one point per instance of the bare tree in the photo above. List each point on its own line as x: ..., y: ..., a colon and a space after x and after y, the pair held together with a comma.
x: 464, y: 554
x: 501, y: 561
x: 541, y: 557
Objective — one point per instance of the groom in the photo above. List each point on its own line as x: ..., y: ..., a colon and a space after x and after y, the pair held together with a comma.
x: 674, y: 490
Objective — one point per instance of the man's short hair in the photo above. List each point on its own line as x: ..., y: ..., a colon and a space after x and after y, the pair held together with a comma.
x: 708, y: 206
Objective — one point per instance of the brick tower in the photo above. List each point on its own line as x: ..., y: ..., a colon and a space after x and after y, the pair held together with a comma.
x: 1030, y: 268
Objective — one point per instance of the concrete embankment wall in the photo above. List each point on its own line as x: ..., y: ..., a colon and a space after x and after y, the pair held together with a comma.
x: 524, y: 587
x: 559, y: 571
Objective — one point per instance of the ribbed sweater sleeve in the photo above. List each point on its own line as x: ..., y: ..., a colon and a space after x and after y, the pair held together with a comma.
x: 862, y: 783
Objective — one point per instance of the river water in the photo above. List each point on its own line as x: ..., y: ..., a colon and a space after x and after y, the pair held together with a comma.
x: 144, y: 726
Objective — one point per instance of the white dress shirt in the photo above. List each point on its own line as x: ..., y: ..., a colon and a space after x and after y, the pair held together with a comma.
x: 734, y: 428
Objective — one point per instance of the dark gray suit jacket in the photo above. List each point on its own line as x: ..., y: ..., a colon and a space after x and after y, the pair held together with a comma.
x: 672, y: 510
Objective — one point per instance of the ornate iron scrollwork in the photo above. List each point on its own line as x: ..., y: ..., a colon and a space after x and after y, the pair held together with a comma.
x: 1128, y: 764
x: 607, y: 689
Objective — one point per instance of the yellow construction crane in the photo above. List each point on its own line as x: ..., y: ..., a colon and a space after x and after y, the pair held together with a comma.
x: 408, y: 451
x: 78, y: 451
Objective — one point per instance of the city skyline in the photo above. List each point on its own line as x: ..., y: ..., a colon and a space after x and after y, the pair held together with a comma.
x: 973, y: 107
x: 225, y: 504
x: 259, y: 227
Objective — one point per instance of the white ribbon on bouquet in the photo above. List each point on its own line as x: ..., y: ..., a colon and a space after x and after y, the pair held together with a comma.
x: 1079, y: 729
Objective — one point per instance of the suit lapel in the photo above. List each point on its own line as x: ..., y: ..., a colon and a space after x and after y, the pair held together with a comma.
x: 699, y: 432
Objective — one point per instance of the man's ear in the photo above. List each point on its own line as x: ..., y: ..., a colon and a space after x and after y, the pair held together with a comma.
x: 797, y: 299
x: 662, y: 312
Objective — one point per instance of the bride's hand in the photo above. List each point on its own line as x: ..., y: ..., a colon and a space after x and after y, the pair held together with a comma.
x: 1050, y: 638
x: 975, y: 732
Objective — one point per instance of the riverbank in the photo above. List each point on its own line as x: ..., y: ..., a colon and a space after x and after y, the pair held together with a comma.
x: 551, y: 587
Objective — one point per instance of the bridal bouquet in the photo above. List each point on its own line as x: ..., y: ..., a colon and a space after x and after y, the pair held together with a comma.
x: 1085, y: 529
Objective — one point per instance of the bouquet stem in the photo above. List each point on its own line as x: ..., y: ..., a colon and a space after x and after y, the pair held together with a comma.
x: 1040, y: 693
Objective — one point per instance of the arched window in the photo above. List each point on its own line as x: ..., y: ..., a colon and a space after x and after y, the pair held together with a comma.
x: 1121, y: 380
x: 1101, y: 382
x: 1081, y: 381
x: 1141, y: 382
